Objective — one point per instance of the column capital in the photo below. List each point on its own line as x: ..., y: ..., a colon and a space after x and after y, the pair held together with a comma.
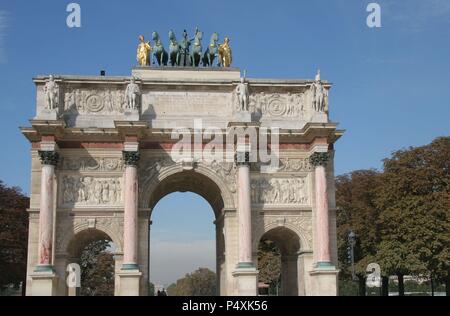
x: 319, y: 159
x: 242, y: 158
x: 130, y: 158
x: 48, y: 157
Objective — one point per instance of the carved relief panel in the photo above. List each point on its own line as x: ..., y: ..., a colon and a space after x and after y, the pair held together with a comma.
x: 90, y: 182
x: 282, y: 191
x: 101, y: 100
x: 91, y: 191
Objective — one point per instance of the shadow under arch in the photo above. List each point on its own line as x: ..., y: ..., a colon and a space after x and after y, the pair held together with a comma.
x: 263, y: 229
x: 83, y: 238
x: 201, y: 180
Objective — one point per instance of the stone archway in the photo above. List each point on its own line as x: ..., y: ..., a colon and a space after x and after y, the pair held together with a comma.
x: 186, y: 178
x: 289, y: 245
x: 104, y: 167
x: 204, y: 182
x: 77, y: 244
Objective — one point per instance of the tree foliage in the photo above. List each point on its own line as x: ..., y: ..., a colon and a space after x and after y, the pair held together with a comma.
x: 97, y: 269
x: 269, y: 262
x: 355, y: 194
x: 415, y: 204
x: 13, y: 235
x: 401, y: 216
x: 201, y: 282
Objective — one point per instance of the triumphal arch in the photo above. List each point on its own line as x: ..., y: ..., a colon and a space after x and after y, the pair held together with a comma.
x: 105, y: 150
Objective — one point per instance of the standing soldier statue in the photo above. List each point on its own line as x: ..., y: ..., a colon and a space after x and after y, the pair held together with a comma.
x: 242, y: 93
x: 319, y: 95
x: 132, y: 94
x: 51, y: 90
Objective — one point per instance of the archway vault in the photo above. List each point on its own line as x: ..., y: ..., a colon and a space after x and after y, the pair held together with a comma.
x: 199, y: 179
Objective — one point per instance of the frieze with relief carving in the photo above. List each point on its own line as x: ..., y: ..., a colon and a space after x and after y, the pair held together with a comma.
x: 101, y: 101
x: 91, y: 164
x: 280, y: 191
x: 91, y: 191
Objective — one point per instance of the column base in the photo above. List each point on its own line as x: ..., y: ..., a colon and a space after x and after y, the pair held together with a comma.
x: 130, y: 266
x: 129, y: 282
x: 43, y: 283
x: 245, y: 279
x: 324, y: 280
x: 324, y: 265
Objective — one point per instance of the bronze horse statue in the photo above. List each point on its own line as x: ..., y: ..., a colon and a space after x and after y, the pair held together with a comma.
x: 174, y: 50
x: 196, y: 51
x: 158, y: 50
x: 212, y: 51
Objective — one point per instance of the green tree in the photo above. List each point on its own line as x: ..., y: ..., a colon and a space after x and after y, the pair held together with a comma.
x: 415, y: 216
x: 201, y: 282
x: 269, y: 263
x: 97, y: 269
x: 355, y: 196
x: 151, y: 289
x: 172, y: 289
x: 13, y: 236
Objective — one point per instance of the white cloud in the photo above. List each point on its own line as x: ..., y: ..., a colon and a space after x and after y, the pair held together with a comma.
x: 3, y: 26
x: 170, y: 261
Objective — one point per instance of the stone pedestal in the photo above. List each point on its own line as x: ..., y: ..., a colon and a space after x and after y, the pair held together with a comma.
x: 131, y: 115
x: 319, y: 118
x: 43, y: 283
x: 46, y: 114
x: 324, y: 281
x: 242, y: 117
x: 129, y: 282
x: 245, y: 280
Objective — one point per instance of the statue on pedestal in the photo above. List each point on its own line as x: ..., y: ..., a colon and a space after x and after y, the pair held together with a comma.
x: 143, y: 52
x: 242, y: 94
x: 51, y: 91
x: 225, y: 56
x: 132, y: 95
x: 319, y: 95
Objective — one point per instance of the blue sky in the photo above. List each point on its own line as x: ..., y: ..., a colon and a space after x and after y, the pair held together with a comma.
x: 391, y: 83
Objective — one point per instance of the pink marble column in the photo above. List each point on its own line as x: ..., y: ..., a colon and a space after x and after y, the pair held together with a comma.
x: 49, y: 159
x: 130, y: 229
x: 323, y: 258
x: 244, y: 211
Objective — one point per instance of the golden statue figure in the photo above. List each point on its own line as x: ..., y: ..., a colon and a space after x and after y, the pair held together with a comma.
x: 225, y: 57
x: 143, y: 52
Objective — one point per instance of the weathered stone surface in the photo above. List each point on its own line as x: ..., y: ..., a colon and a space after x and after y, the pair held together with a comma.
x: 99, y: 126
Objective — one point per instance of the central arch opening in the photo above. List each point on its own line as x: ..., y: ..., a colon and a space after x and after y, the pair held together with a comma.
x: 186, y: 235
